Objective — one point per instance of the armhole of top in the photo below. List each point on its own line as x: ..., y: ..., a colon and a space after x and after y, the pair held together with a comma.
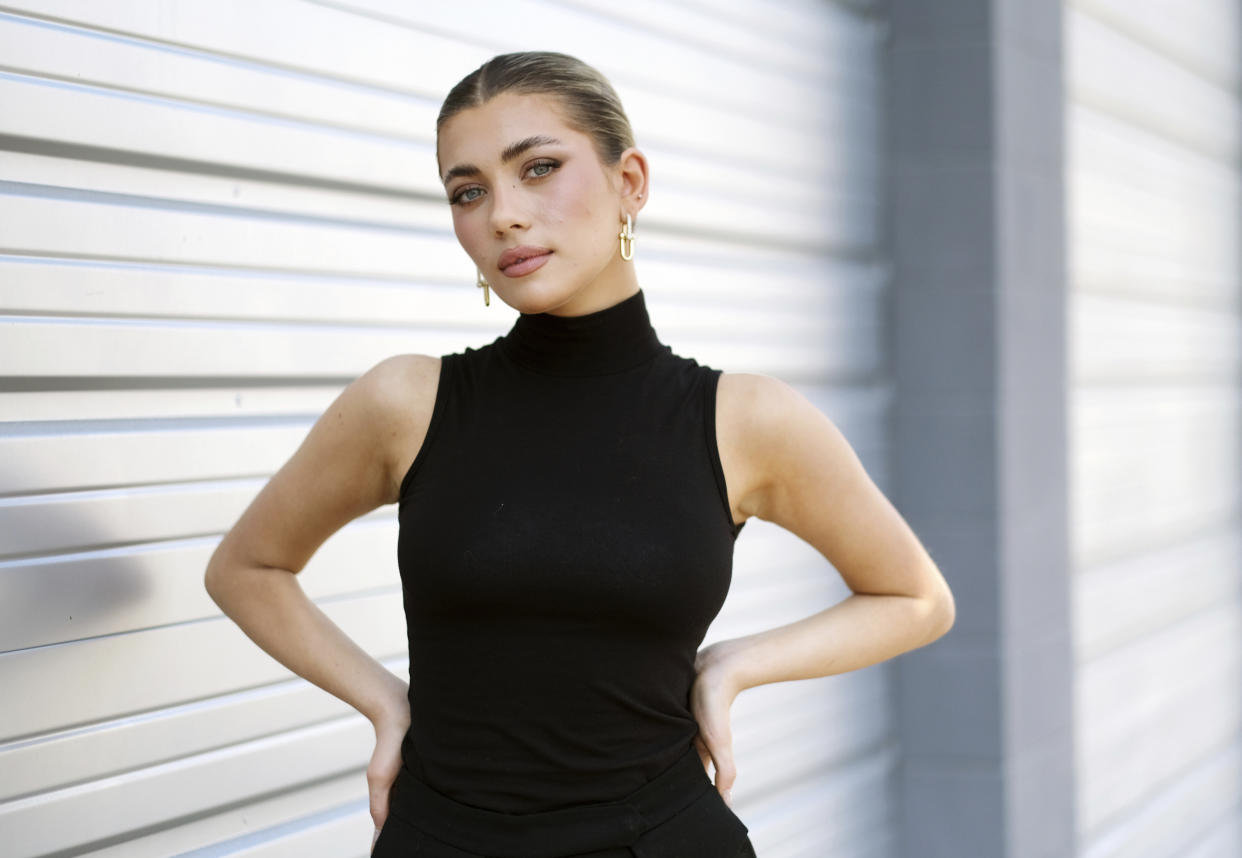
x: 437, y: 417
x: 713, y: 449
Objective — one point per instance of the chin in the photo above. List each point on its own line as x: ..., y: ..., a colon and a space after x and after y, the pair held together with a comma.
x: 533, y: 297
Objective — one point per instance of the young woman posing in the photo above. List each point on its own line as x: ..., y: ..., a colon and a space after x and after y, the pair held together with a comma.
x: 569, y: 495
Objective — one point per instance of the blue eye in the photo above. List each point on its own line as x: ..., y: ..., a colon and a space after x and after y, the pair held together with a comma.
x: 539, y: 169
x: 467, y: 195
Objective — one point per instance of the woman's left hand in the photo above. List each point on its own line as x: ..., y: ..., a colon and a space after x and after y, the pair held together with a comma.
x: 710, y: 698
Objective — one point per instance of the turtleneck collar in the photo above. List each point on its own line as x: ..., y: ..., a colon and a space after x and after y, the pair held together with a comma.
x: 610, y: 340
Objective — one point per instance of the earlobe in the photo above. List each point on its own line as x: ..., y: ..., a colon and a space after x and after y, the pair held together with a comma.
x: 634, y: 178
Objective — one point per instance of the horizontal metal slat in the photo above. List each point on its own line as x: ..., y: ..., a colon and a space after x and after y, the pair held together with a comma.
x: 1207, y: 790
x: 843, y: 811
x: 143, y: 230
x: 1126, y: 764
x: 781, y: 37
x: 75, y: 684
x: 317, y: 39
x: 1103, y: 66
x: 702, y: 75
x: 1144, y: 673
x: 37, y: 347
x: 244, y: 139
x: 159, y: 129
x: 82, y: 55
x: 1106, y: 264
x: 109, y: 748
x: 285, y: 810
x: 1117, y: 339
x: 1150, y: 464
x: 1107, y: 149
x: 1122, y: 601
x: 1196, y: 228
x: 54, y: 523
x: 55, y: 458
x: 1223, y: 839
x: 1204, y: 37
x: 139, y: 799
x: 70, y: 402
x: 811, y: 25
x: 779, y: 736
x: 77, y: 596
x: 344, y: 832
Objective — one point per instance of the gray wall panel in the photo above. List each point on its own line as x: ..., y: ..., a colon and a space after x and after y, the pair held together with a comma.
x: 1155, y: 170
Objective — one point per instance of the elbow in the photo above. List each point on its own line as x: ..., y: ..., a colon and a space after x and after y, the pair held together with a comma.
x: 942, y: 612
x: 216, y: 578
x: 211, y: 581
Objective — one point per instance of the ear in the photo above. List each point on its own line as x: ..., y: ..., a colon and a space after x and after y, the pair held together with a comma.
x: 634, y: 181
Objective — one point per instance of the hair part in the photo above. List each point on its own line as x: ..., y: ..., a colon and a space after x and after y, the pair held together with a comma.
x: 590, y: 103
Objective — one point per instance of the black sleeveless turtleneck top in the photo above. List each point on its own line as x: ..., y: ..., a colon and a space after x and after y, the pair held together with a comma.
x: 565, y: 541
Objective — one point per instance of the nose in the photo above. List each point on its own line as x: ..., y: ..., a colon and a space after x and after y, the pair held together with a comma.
x: 508, y: 210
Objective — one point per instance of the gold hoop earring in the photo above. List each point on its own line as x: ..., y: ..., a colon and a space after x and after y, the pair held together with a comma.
x: 627, y: 239
x: 487, y: 293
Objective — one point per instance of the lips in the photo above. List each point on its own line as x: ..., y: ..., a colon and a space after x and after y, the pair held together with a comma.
x: 520, y: 261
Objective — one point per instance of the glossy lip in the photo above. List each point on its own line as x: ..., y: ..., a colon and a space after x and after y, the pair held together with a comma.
x: 520, y: 261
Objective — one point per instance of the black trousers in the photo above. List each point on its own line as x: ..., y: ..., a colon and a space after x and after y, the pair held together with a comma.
x: 679, y: 814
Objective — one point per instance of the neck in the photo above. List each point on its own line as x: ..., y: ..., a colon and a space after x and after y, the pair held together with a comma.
x: 617, y: 282
x: 612, y: 339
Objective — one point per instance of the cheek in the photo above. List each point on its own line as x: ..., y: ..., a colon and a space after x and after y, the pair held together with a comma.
x: 466, y: 230
x: 581, y: 199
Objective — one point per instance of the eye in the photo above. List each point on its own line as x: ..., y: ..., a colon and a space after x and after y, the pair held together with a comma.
x: 539, y: 169
x: 467, y: 194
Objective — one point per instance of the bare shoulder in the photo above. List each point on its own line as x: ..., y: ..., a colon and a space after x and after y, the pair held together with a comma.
x: 766, y: 431
x: 754, y: 400
x: 398, y: 386
x: 758, y: 410
x: 397, y: 397
x: 347, y: 465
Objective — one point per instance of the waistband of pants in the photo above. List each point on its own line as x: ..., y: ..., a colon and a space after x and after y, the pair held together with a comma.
x: 568, y: 831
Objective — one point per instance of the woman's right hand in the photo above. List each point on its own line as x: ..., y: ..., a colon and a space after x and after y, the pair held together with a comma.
x: 385, y: 762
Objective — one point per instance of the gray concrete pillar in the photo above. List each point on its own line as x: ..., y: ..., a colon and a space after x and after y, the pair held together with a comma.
x: 975, y: 118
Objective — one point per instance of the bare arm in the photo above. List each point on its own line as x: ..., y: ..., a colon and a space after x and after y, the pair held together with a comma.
x: 787, y: 463
x: 351, y: 462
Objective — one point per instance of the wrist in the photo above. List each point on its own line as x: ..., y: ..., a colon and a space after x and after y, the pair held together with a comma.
x: 723, y: 665
x: 391, y: 708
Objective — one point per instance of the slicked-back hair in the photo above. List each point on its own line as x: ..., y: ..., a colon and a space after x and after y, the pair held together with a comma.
x: 590, y: 104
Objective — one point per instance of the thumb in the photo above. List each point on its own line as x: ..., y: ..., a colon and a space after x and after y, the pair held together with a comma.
x: 379, y: 808
x: 720, y: 749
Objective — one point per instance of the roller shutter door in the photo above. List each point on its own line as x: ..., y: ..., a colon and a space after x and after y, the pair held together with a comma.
x: 1155, y: 156
x: 213, y: 215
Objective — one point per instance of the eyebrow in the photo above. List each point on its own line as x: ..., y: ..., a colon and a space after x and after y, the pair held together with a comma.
x: 513, y: 150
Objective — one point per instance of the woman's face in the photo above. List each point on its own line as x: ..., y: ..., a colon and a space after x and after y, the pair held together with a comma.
x: 534, y: 207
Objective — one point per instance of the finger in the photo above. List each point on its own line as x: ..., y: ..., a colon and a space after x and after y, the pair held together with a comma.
x: 726, y: 769
x: 705, y: 756
x: 379, y: 806
x: 726, y: 774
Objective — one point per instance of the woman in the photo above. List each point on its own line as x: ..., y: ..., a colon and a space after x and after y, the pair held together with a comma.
x: 569, y: 496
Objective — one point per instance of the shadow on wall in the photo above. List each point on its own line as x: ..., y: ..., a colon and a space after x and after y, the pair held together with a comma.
x: 120, y: 673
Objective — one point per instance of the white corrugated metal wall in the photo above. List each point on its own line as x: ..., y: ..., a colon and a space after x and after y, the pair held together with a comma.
x: 1155, y: 163
x: 213, y: 214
